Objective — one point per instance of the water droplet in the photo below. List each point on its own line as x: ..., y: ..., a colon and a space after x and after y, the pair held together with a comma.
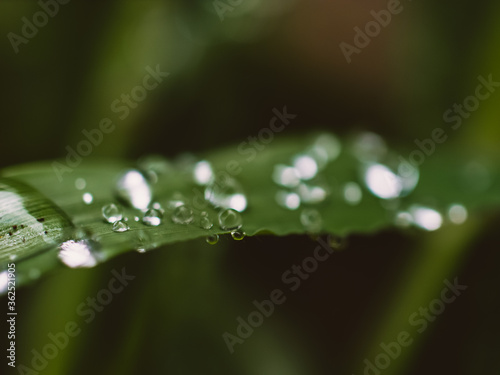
x: 352, y: 193
x: 369, y: 147
x: 157, y: 206
x: 203, y: 173
x: 143, y: 241
x: 134, y: 189
x: 312, y: 194
x: 238, y: 235
x: 183, y: 215
x: 403, y: 219
x: 80, y: 183
x: 230, y: 220
x: 120, y: 226
x: 227, y: 194
x: 288, y: 200
x: 112, y: 213
x: 212, y: 239
x: 457, y: 214
x: 337, y: 242
x: 206, y: 223
x: 137, y: 218
x: 306, y: 166
x: 77, y: 254
x: 152, y: 217
x: 87, y: 198
x: 311, y: 219
x: 426, y: 218
x: 286, y: 176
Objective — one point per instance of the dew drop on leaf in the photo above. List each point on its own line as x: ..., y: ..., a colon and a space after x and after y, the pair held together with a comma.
x: 133, y: 189
x: 238, y: 235
x: 120, y: 226
x: 230, y: 219
x: 183, y: 215
x: 111, y: 213
x: 212, y: 239
x: 152, y: 217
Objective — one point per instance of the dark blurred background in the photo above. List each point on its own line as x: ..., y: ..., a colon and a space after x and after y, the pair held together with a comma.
x: 227, y: 72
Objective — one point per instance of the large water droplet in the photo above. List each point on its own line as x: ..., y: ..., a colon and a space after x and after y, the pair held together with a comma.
x: 212, y: 239
x: 120, y: 226
x: 230, y: 220
x: 77, y: 254
x: 227, y: 194
x: 311, y: 219
x: 183, y: 215
x: 457, y: 214
x: 286, y: 176
x: 426, y: 218
x: 133, y: 188
x: 312, y: 194
x: 111, y: 212
x: 152, y: 217
x: 288, y: 200
x: 382, y: 182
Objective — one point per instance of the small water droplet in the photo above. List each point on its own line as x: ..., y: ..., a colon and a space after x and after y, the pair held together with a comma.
x: 230, y: 220
x: 212, y: 239
x: 352, y: 193
x: 336, y: 242
x: 311, y: 219
x: 120, y: 226
x: 203, y: 173
x: 152, y: 217
x: 206, y: 223
x: 143, y: 241
x: 288, y: 200
x: 183, y: 215
x: 133, y: 189
x: 227, y: 194
x: 112, y: 213
x: 87, y: 198
x: 457, y: 214
x: 80, y: 183
x: 238, y: 235
x: 77, y: 254
x: 137, y: 218
x: 286, y: 176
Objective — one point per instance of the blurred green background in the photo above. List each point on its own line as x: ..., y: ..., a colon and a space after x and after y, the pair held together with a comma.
x: 226, y: 75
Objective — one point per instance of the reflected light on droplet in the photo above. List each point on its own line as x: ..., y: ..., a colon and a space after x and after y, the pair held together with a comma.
x: 288, y: 200
x: 427, y: 218
x: 3, y: 282
x: 457, y: 214
x: 134, y: 188
x: 382, y: 182
x: 88, y: 198
x: 77, y: 254
x: 203, y: 173
x: 306, y: 167
x: 238, y: 202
